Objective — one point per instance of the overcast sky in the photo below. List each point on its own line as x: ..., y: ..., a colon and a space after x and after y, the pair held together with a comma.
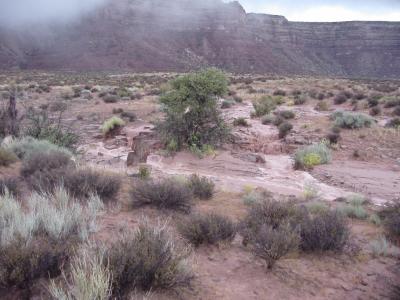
x: 328, y: 10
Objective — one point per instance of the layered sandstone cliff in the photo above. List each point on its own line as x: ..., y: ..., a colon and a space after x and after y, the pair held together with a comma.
x: 178, y: 35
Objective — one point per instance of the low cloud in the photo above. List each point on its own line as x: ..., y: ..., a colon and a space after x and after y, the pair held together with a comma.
x: 17, y: 13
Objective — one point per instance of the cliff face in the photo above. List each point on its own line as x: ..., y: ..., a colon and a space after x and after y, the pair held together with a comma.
x: 156, y: 35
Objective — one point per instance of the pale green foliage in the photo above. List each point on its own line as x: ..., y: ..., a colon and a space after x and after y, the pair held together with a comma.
x: 352, y: 120
x: 89, y: 279
x: 264, y: 105
x: 317, y: 207
x: 375, y: 219
x: 380, y: 247
x: 312, y: 155
x: 27, y: 146
x: 353, y: 211
x: 192, y: 115
x: 111, y: 124
x: 57, y: 216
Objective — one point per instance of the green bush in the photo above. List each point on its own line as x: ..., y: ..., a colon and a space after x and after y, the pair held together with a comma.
x: 268, y: 119
x: 207, y: 229
x: 147, y: 259
x: 391, y: 219
x: 227, y: 104
x: 163, y: 194
x: 111, y: 125
x: 284, y: 129
x: 287, y: 114
x: 353, y: 211
x: 42, y: 126
x: 351, y: 120
x: 110, y: 98
x: 27, y: 146
x: 313, y: 155
x: 322, y: 106
x: 7, y: 157
x: 201, y: 187
x: 241, y: 122
x: 264, y: 105
x: 325, y: 231
x: 192, y: 116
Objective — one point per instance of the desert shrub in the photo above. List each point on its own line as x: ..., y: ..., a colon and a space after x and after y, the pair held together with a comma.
x: 237, y: 99
x: 128, y: 115
x: 192, y: 115
x: 317, y: 207
x: 313, y: 155
x: 278, y: 120
x: 82, y: 183
x: 375, y: 219
x: 7, y: 157
x: 322, y: 106
x: 264, y: 105
x: 144, y: 172
x: 325, y: 231
x: 268, y: 213
x: 359, y: 96
x: 147, y: 259
x: 163, y: 194
x: 284, y: 129
x: 10, y: 185
x: 351, y: 120
x: 391, y: 219
x: 35, y: 242
x: 300, y: 100
x: 380, y: 247
x: 42, y: 126
x: 111, y: 125
x: 201, y: 187
x: 207, y: 229
x: 110, y: 98
x: 286, y: 114
x: 391, y: 102
x: 374, y: 111
x: 279, y: 93
x: 88, y: 279
x: 41, y: 162
x: 393, y: 123
x: 241, y: 122
x: 296, y: 92
x: 333, y: 137
x: 396, y: 111
x: 227, y: 104
x: 340, y: 98
x: 271, y: 244
x: 22, y: 263
x: 353, y: 211
x: 268, y: 119
x: 372, y: 102
x: 117, y: 110
x: 27, y: 146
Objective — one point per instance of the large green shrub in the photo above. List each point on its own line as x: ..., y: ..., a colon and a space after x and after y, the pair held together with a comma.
x: 350, y: 120
x: 312, y: 155
x: 192, y: 116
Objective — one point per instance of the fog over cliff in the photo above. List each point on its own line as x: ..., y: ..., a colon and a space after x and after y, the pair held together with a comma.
x: 21, y: 13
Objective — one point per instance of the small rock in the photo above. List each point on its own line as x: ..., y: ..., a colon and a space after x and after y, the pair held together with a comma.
x: 363, y: 282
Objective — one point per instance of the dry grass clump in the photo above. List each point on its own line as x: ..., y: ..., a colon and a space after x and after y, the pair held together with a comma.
x: 163, y: 194
x: 147, y: 259
x: 207, y: 229
x: 9, y: 184
x: 111, y: 125
x: 7, y: 157
x: 201, y: 186
x: 35, y: 242
x: 88, y: 278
